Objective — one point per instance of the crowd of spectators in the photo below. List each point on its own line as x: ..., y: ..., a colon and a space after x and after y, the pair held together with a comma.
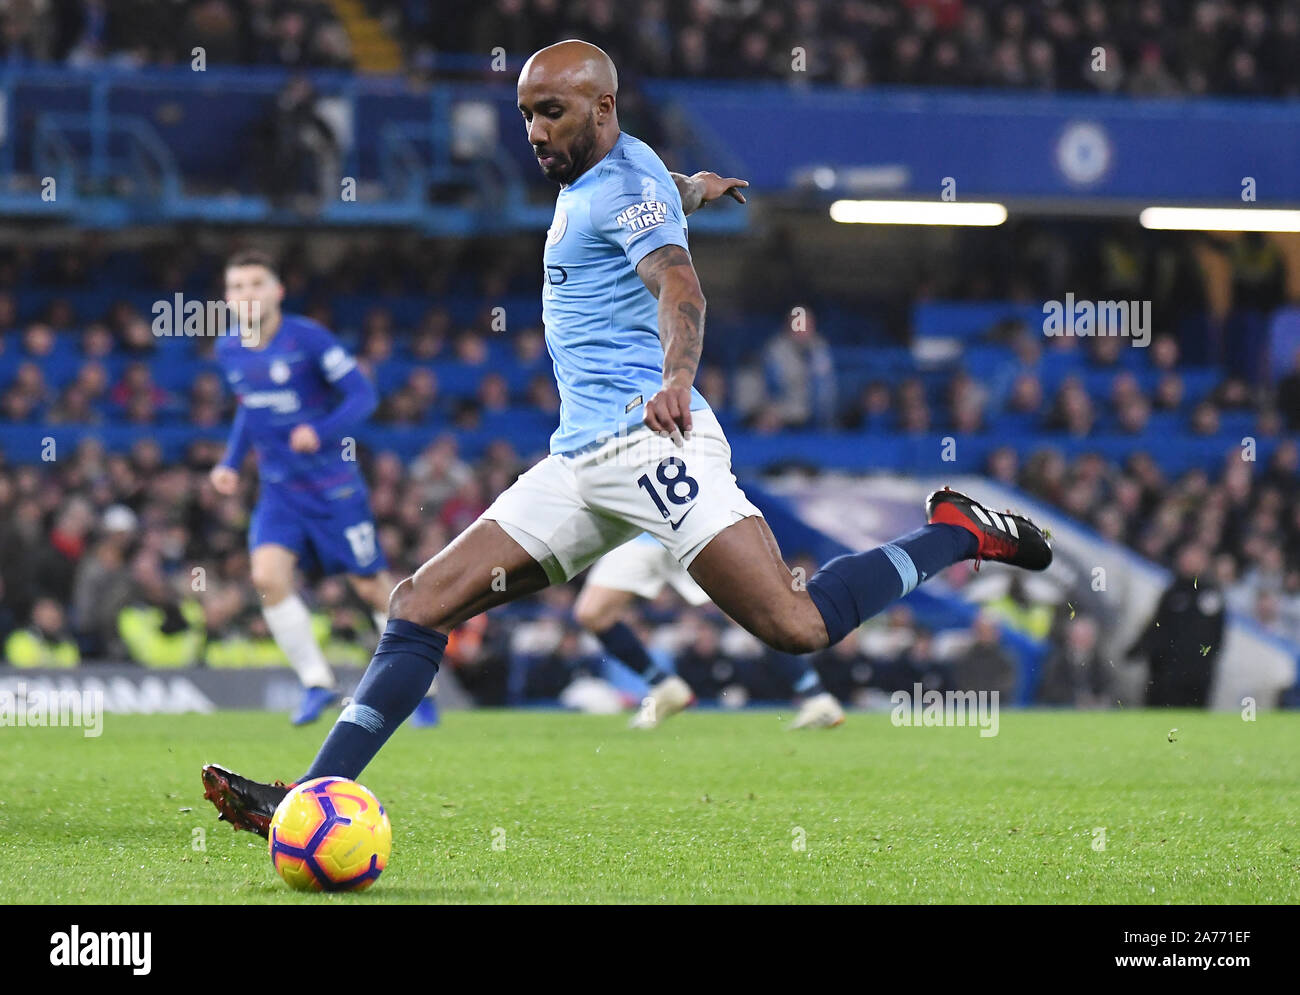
x: 1145, y: 47
x: 790, y: 384
x: 300, y: 34
x: 123, y: 556
x: 1245, y: 519
x: 93, y: 538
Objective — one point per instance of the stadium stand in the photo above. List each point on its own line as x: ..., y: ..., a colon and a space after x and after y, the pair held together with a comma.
x: 1153, y: 47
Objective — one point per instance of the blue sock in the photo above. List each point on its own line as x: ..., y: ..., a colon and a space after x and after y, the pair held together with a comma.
x: 798, y: 672
x: 622, y: 642
x: 809, y: 683
x: 404, y: 665
x: 850, y: 589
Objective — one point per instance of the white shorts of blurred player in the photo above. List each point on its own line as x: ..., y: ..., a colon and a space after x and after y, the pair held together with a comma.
x: 644, y: 568
x: 569, y: 510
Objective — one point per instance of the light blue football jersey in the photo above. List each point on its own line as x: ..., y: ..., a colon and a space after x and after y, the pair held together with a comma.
x: 602, y: 327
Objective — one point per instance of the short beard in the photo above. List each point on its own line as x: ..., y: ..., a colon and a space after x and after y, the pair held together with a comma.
x: 581, y: 152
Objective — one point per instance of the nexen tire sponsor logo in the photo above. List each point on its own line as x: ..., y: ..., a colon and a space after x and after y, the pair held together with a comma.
x: 643, y: 216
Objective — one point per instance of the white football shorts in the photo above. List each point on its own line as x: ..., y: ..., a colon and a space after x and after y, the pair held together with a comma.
x: 571, y: 509
x: 643, y: 567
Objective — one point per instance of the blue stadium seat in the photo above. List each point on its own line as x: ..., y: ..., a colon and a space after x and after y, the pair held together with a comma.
x: 969, y: 319
x: 60, y: 369
x: 1166, y: 424
x: 1014, y: 423
x: 525, y: 422
x: 1237, y: 424
x: 459, y: 380
x: 1198, y: 382
x: 391, y: 375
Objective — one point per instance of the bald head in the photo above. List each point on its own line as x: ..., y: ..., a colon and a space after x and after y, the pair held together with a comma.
x: 575, y: 66
x: 567, y: 98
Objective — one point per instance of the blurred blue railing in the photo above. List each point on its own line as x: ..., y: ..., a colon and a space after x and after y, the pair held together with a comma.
x: 450, y: 157
x: 127, y: 147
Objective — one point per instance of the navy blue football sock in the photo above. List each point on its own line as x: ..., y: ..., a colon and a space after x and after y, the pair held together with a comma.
x: 404, y: 665
x: 809, y: 683
x: 798, y: 672
x: 850, y: 589
x: 622, y: 643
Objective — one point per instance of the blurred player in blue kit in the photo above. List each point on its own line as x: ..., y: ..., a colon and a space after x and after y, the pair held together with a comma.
x: 300, y: 397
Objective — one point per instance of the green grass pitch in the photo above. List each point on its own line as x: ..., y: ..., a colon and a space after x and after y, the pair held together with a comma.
x: 712, y: 807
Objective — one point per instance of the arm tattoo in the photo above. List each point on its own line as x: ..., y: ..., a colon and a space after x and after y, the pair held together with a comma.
x: 691, y: 193
x: 653, y: 267
x: 670, y: 276
x: 683, y: 341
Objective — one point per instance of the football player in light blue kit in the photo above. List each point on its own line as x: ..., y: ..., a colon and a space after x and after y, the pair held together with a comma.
x: 637, y: 450
x: 300, y: 394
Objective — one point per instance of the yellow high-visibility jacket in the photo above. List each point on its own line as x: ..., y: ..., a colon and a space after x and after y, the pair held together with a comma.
x: 140, y: 627
x: 28, y: 648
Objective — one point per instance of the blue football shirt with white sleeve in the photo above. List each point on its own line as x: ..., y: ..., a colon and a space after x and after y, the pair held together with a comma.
x: 601, y: 321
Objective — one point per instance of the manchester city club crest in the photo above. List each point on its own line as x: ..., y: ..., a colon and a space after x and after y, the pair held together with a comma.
x: 558, y: 226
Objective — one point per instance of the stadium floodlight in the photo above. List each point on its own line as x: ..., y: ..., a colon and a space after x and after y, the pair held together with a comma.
x: 917, y: 212
x: 1219, y: 219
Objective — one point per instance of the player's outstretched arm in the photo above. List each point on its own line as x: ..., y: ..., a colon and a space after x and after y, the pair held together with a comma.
x: 670, y: 275
x: 225, y: 475
x: 698, y: 190
x: 357, y: 403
